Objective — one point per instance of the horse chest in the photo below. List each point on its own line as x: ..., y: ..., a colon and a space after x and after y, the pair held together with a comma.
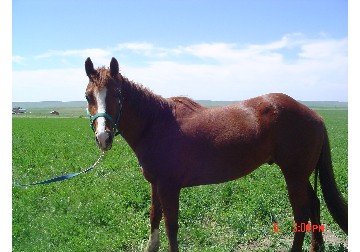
x: 148, y: 175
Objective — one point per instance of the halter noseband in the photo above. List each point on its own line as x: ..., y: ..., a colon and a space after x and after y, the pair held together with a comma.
x: 107, y: 116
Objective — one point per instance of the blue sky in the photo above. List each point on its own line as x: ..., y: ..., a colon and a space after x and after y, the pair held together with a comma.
x: 218, y: 50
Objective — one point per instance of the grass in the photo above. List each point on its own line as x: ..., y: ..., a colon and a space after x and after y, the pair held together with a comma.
x: 107, y: 209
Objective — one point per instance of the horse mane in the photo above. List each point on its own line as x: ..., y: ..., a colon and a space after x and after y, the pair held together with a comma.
x: 184, y: 106
x: 147, y: 103
x: 187, y: 102
x: 150, y: 101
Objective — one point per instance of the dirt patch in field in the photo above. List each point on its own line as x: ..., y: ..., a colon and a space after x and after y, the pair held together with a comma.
x: 331, y: 239
x: 332, y: 243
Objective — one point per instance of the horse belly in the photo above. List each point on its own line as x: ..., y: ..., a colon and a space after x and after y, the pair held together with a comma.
x: 223, y: 144
x: 222, y: 166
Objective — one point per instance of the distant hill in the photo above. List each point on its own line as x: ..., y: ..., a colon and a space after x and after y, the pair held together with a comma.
x: 207, y: 103
x: 325, y: 104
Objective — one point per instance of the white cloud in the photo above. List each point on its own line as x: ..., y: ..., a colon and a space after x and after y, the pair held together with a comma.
x: 18, y: 59
x: 318, y: 73
x: 147, y: 49
x: 49, y: 85
x: 101, y: 56
x: 135, y: 46
x: 217, y: 71
x: 328, y: 49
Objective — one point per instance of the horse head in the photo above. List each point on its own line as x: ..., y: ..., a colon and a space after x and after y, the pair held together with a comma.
x: 103, y: 94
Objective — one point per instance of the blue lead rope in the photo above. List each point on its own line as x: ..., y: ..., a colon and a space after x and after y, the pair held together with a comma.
x: 68, y: 176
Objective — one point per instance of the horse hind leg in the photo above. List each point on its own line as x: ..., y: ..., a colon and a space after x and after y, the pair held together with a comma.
x: 301, y: 205
x: 169, y: 198
x: 316, y: 235
x: 306, y: 205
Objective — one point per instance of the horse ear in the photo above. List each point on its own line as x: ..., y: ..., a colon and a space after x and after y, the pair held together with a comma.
x: 89, y: 67
x: 114, y: 67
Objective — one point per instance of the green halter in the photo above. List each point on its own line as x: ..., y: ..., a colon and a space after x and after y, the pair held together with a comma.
x: 107, y: 116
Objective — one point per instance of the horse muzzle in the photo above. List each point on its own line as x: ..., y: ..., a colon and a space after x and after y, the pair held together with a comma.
x: 104, y: 140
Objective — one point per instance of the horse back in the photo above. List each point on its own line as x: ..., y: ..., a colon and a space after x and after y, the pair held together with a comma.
x: 249, y: 120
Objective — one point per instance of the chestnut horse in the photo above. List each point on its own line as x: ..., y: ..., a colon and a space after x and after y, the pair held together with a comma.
x: 180, y: 143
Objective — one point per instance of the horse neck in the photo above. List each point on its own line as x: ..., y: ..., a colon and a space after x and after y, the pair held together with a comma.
x: 140, y: 110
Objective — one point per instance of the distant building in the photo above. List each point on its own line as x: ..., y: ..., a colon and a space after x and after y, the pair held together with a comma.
x: 18, y: 110
x: 54, y: 112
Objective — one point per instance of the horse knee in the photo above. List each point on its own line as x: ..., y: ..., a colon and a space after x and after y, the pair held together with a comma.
x: 316, y: 205
x: 172, y: 228
x: 155, y: 217
x: 300, y: 199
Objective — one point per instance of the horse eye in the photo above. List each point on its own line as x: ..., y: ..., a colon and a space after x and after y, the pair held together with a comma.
x: 89, y: 98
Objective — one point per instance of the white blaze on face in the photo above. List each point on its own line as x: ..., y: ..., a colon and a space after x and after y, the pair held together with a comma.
x: 100, y: 97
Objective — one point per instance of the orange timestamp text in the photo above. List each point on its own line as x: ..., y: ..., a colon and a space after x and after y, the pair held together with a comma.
x: 303, y: 227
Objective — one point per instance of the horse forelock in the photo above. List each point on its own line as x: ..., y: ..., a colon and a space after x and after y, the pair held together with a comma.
x: 103, y: 77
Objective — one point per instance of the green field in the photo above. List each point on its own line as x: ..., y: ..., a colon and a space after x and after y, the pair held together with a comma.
x: 107, y: 209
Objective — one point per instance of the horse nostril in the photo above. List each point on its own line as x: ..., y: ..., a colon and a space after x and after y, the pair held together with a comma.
x: 102, y: 138
x: 109, y: 139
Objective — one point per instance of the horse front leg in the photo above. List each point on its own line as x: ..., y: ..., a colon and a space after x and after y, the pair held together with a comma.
x: 155, y: 218
x: 169, y: 198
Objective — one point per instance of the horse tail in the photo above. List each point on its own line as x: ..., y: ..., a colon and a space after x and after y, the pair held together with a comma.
x: 333, y: 198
